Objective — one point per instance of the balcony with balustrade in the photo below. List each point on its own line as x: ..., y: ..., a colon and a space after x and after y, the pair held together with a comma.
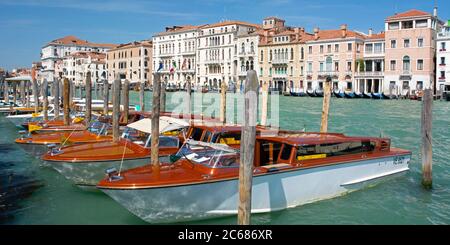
x: 369, y: 74
x: 280, y: 61
x: 213, y: 62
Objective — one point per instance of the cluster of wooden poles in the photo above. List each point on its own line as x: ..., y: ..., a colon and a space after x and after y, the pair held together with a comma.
x: 248, y: 128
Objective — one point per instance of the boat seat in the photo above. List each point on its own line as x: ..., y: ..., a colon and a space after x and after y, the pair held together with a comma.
x: 276, y: 167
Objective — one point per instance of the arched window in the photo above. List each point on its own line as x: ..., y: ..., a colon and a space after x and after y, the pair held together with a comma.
x: 406, y: 63
x: 302, y: 54
x: 243, y: 48
x: 247, y: 66
x: 251, y: 65
x: 292, y: 54
x: 262, y: 55
x: 252, y: 48
x: 270, y: 56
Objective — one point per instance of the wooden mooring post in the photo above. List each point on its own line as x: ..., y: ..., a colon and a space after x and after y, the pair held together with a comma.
x: 326, y: 105
x: 142, y: 95
x: 189, y: 97
x: 45, y: 98
x: 27, y: 87
x: 116, y: 108
x: 163, y: 95
x: 155, y: 122
x: 248, y: 148
x: 105, y: 98
x: 22, y: 92
x: 88, y: 86
x: 265, y: 103
x: 66, y: 101
x: 427, y: 146
x: 71, y: 91
x: 126, y: 100
x: 36, y: 96
x: 223, y: 102
x: 56, y: 97
x: 6, y: 92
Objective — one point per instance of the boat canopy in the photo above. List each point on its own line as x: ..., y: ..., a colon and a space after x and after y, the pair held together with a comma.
x: 166, y: 124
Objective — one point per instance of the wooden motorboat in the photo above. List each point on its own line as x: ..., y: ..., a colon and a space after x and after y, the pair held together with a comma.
x: 290, y: 169
x: 37, y: 144
x: 85, y: 164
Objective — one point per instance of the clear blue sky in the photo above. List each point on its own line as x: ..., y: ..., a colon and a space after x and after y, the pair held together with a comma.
x: 27, y: 25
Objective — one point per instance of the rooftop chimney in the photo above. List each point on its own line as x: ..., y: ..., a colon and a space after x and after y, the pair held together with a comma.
x: 435, y: 12
x: 370, y: 32
x: 344, y: 30
x: 316, y: 33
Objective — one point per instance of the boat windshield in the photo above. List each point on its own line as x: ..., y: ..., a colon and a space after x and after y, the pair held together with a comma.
x: 136, y: 136
x: 99, y: 128
x: 212, y: 157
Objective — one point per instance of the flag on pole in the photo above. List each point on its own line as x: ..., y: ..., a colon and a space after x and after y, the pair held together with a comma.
x: 174, y: 66
x: 161, y: 66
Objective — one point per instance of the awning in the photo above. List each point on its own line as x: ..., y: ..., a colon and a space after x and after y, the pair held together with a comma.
x: 18, y: 79
x: 166, y: 124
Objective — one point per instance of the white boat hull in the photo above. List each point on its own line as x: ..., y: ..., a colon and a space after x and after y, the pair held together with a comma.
x: 271, y: 192
x: 18, y: 120
x: 90, y: 173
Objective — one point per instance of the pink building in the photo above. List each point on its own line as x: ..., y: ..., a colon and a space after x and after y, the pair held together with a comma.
x: 410, y: 51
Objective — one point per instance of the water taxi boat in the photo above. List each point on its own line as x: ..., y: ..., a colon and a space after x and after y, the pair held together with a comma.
x: 290, y: 169
x: 38, y: 144
x: 61, y: 135
x: 85, y: 164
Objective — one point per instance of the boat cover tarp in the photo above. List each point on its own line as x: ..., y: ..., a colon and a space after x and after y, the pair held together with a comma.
x: 166, y: 124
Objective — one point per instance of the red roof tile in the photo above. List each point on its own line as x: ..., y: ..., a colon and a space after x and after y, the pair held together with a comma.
x: 409, y: 14
x: 73, y: 40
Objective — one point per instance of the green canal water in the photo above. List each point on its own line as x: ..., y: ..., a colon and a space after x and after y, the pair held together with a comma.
x: 33, y: 194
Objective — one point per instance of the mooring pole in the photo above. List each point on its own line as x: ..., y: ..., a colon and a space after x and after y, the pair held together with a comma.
x: 36, y: 96
x: 6, y: 93
x: 88, y: 86
x: 163, y: 96
x: 22, y: 92
x: 72, y: 91
x: 265, y: 102
x: 223, y: 102
x: 45, y: 98
x: 142, y: 95
x: 66, y: 101
x: 116, y: 108
x: 15, y: 92
x: 105, y: 97
x: 56, y: 97
x: 427, y: 146
x: 126, y: 100
x: 155, y: 121
x: 189, y: 97
x: 248, y: 147
x: 27, y: 86
x: 326, y: 105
